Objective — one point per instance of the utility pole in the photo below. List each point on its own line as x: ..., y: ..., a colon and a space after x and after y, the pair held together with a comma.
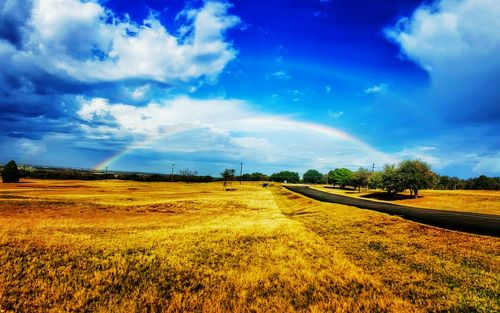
x: 241, y: 171
x: 106, y: 174
x: 172, y: 175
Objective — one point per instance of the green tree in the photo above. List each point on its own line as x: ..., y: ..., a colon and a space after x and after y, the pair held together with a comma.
x: 10, y: 172
x: 340, y: 176
x: 289, y: 177
x: 391, y: 179
x: 360, y: 178
x: 375, y: 181
x: 416, y: 175
x: 227, y: 175
x: 312, y: 177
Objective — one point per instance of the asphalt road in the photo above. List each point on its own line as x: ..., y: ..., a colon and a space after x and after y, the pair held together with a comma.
x: 476, y: 223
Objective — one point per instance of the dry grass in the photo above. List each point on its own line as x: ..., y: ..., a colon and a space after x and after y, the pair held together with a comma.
x: 126, y: 246
x: 479, y: 201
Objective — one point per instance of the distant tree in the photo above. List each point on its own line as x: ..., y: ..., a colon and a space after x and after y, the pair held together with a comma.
x: 227, y: 175
x: 416, y: 175
x: 391, y: 179
x: 483, y: 182
x: 10, y: 172
x: 289, y: 177
x: 254, y: 177
x: 188, y: 175
x: 443, y: 182
x: 312, y: 177
x: 340, y: 176
x: 330, y: 178
x: 360, y: 178
x: 375, y: 181
x: 456, y: 183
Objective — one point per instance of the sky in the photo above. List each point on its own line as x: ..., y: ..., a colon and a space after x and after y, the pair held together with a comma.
x: 277, y: 85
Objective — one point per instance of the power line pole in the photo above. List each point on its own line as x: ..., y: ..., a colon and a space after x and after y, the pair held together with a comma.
x: 106, y: 174
x: 241, y: 171
x: 172, y: 175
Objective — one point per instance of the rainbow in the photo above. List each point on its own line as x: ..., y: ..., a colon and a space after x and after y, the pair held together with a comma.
x: 115, y: 157
x: 279, y: 123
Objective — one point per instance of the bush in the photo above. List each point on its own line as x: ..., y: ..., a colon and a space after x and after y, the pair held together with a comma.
x: 10, y: 173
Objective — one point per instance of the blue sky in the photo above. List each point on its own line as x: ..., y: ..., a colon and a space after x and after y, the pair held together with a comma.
x: 138, y: 85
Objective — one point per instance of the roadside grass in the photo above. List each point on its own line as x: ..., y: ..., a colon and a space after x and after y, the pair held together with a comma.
x: 479, y: 201
x: 126, y: 246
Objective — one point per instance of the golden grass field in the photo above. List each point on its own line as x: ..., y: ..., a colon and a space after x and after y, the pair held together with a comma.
x: 479, y: 201
x: 126, y: 246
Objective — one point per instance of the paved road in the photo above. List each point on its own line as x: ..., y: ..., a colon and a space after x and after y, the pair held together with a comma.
x: 476, y: 223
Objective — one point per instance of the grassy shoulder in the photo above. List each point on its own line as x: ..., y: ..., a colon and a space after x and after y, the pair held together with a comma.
x: 126, y: 246
x: 479, y: 201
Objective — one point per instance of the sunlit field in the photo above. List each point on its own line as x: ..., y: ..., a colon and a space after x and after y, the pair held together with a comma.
x: 121, y: 246
x: 479, y: 201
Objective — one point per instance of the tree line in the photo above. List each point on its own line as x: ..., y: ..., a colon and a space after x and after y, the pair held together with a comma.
x: 407, y: 175
x: 412, y: 175
x: 12, y: 173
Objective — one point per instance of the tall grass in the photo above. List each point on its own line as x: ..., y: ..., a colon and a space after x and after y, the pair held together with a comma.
x: 125, y: 247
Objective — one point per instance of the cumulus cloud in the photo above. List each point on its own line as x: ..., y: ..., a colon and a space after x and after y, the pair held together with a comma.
x: 87, y: 42
x: 230, y: 129
x: 458, y: 44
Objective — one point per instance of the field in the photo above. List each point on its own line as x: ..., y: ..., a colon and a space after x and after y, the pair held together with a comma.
x: 121, y: 246
x: 479, y: 201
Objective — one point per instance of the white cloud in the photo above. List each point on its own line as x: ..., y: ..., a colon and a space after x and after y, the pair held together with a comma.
x: 93, y: 108
x: 424, y: 153
x: 230, y: 129
x: 281, y: 75
x: 85, y: 40
x: 488, y: 164
x: 140, y: 92
x: 376, y: 89
x: 458, y: 44
x: 439, y: 36
x: 31, y: 147
x: 334, y: 114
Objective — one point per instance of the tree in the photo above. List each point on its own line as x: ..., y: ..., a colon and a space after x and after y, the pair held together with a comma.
x: 289, y: 177
x: 312, y: 177
x: 340, y: 176
x: 443, y: 182
x: 391, y: 179
x: 10, y: 172
x: 254, y: 177
x: 416, y: 175
x: 227, y: 175
x: 375, y: 181
x: 187, y: 175
x: 360, y: 178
